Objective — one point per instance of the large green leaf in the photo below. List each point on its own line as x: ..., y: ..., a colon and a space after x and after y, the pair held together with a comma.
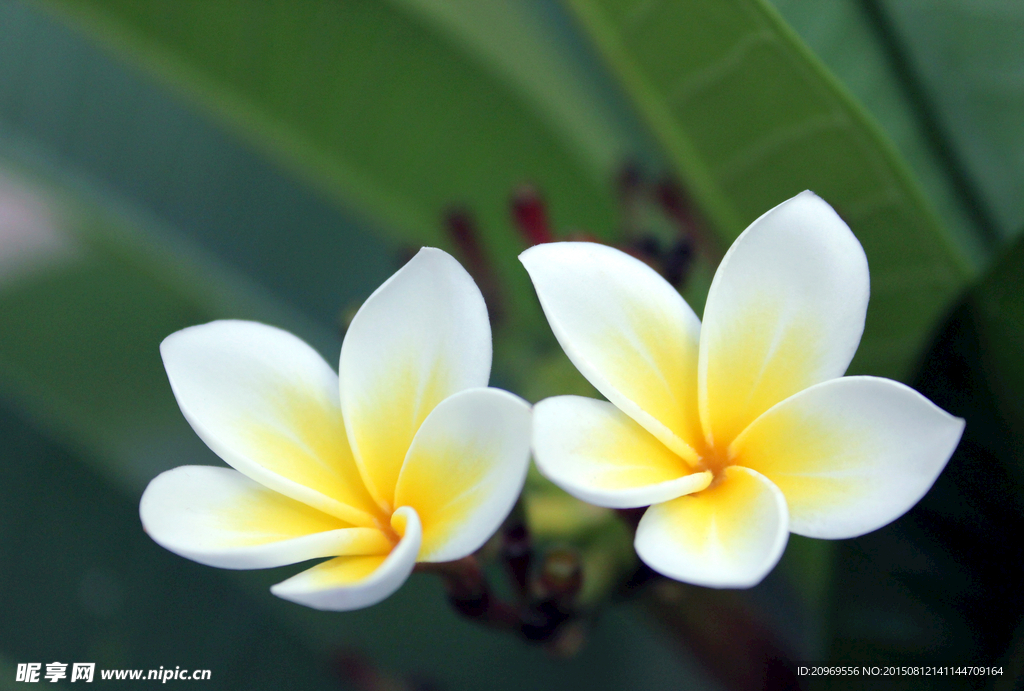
x: 968, y: 56
x: 998, y: 315
x: 749, y: 117
x: 399, y: 110
x: 853, y: 48
x: 532, y: 46
x: 94, y: 117
x: 745, y: 112
x: 85, y: 299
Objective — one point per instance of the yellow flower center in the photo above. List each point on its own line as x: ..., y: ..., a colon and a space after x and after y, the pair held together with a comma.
x: 393, y: 527
x: 716, y: 461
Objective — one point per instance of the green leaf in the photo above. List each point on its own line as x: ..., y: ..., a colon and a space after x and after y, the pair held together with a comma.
x: 398, y: 110
x: 749, y: 118
x: 459, y: 115
x: 91, y: 116
x: 532, y: 46
x: 86, y: 296
x: 998, y: 315
x: 843, y: 36
x: 967, y: 53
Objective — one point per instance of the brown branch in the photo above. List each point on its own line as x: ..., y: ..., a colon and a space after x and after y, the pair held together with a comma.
x: 470, y: 594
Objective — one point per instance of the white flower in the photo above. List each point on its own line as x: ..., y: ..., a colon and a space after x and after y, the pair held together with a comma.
x: 414, y: 460
x: 742, y: 429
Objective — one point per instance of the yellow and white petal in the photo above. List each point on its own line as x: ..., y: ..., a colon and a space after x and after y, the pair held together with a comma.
x: 627, y: 331
x: 851, y: 454
x: 219, y: 517
x: 267, y: 403
x: 728, y: 536
x: 421, y: 337
x: 597, y: 453
x: 785, y: 311
x: 465, y: 470
x: 348, y: 583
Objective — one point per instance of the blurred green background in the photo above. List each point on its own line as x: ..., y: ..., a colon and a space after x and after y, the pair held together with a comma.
x: 164, y: 163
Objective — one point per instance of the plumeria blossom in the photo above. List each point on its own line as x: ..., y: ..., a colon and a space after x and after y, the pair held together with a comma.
x: 405, y: 455
x: 741, y: 429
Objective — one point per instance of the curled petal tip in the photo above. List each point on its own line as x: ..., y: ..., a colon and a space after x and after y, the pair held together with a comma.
x: 348, y: 583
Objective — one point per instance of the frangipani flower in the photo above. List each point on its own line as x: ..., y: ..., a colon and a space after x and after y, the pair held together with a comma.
x: 414, y: 460
x: 740, y: 430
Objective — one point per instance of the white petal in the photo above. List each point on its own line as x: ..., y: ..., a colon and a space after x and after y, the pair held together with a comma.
x: 267, y: 404
x: 851, y: 454
x: 728, y: 536
x: 348, y: 583
x: 219, y: 517
x: 597, y: 453
x: 785, y: 311
x: 465, y: 470
x: 627, y: 331
x: 421, y: 337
